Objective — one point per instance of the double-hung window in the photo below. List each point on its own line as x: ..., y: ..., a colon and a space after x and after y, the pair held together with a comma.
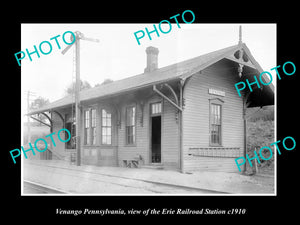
x: 86, y: 127
x: 106, y: 127
x: 130, y: 125
x: 215, y: 124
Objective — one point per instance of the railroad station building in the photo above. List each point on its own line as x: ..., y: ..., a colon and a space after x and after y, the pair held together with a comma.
x: 186, y: 116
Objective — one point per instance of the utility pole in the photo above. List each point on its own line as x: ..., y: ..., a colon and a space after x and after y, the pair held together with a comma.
x: 29, y: 94
x: 78, y: 36
x: 77, y: 106
x: 28, y: 119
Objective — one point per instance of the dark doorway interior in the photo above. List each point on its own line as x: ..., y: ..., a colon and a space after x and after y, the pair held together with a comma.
x: 156, y: 139
x: 71, y: 144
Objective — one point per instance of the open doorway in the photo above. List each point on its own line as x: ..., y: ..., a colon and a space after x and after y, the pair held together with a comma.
x: 156, y: 139
x: 156, y: 133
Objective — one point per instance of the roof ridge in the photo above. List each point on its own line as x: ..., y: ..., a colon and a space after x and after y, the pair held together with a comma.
x: 173, y: 71
x: 162, y: 68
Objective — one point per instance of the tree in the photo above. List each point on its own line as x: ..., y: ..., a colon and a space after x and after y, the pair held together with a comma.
x: 71, y: 88
x: 39, y: 103
x: 106, y: 81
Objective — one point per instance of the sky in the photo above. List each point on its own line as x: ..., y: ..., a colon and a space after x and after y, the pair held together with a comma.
x: 118, y: 54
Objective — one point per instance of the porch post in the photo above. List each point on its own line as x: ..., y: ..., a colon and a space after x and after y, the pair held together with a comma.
x: 245, y: 135
x: 181, y: 85
x: 245, y: 105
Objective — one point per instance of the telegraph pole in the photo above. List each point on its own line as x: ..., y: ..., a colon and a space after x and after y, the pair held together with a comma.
x: 29, y: 94
x: 78, y: 36
x: 28, y: 119
x: 77, y: 106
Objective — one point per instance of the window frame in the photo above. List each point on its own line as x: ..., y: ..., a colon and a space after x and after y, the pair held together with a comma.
x: 135, y: 126
x: 156, y: 113
x: 88, y: 138
x: 93, y: 127
x: 219, y: 103
x: 102, y: 126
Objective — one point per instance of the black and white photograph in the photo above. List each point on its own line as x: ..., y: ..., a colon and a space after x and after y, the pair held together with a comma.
x: 171, y: 108
x: 149, y: 112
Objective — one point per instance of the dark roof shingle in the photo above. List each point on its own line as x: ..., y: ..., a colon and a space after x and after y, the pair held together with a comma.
x: 175, y: 71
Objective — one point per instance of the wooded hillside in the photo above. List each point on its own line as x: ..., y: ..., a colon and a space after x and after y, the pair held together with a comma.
x: 260, y: 132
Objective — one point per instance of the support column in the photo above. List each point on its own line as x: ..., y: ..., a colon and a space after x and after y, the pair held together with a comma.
x: 181, y: 84
x: 245, y: 136
x: 245, y: 105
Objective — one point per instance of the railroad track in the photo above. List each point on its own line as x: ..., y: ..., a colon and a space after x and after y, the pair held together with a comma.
x: 35, y: 188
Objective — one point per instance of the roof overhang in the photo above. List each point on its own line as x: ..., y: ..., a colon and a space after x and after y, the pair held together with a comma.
x: 262, y: 96
x: 259, y: 97
x: 178, y: 71
x: 69, y: 100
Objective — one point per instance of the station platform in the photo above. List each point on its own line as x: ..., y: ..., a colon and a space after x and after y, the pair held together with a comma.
x: 87, y: 179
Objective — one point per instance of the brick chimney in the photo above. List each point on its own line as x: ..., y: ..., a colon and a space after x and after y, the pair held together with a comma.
x: 152, y: 63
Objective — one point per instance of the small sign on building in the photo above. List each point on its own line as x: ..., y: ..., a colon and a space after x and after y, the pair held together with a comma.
x: 216, y: 92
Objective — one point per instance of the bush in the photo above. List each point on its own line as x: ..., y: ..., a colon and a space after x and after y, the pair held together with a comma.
x: 260, y: 134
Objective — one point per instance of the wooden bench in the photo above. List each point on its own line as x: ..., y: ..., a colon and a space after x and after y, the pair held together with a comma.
x: 131, y: 163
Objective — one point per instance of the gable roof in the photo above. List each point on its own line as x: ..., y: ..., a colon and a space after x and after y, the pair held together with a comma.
x: 175, y: 71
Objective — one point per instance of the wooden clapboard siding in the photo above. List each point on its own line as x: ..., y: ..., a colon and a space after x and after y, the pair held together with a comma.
x: 170, y: 137
x: 196, y: 116
x: 100, y: 154
x: 141, y: 147
x: 211, y: 164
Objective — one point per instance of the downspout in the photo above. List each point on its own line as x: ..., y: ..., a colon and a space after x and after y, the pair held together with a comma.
x: 181, y: 84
